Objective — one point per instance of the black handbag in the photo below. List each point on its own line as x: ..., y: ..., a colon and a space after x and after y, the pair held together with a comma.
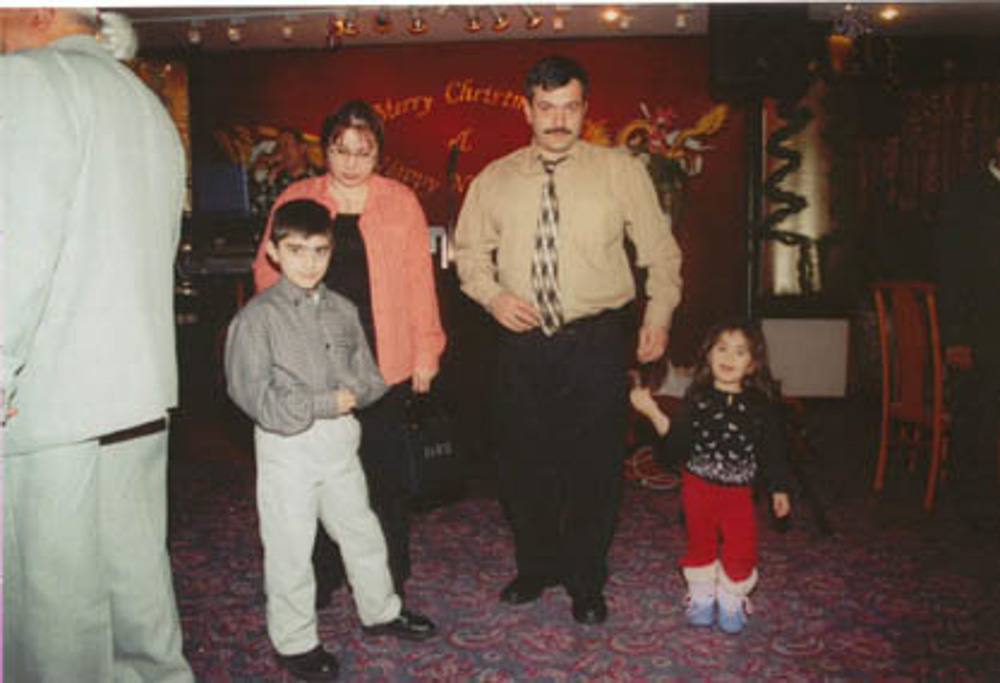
x: 435, y: 463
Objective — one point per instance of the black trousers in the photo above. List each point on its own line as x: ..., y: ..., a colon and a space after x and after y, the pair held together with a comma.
x: 382, y: 457
x: 561, y: 404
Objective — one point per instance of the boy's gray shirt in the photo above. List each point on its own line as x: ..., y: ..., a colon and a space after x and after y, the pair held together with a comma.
x: 288, y: 350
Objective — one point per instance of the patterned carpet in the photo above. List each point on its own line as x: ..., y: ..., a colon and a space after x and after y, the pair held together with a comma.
x: 892, y: 595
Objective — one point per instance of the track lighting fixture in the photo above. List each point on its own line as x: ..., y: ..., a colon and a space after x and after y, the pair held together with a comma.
x: 532, y: 19
x: 194, y: 33
x: 473, y: 24
x: 501, y: 22
x: 382, y: 23
x: 335, y: 33
x: 235, y: 31
x: 351, y: 26
x: 417, y: 25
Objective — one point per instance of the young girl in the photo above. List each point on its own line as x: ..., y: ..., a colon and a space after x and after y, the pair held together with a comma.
x: 727, y: 430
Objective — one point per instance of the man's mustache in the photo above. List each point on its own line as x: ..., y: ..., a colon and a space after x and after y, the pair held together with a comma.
x: 549, y: 131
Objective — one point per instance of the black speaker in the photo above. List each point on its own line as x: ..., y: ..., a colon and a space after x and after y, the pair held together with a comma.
x: 762, y: 50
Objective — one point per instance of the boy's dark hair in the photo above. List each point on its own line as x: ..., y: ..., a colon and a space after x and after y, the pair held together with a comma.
x: 759, y: 378
x: 356, y: 114
x: 554, y: 72
x: 300, y: 216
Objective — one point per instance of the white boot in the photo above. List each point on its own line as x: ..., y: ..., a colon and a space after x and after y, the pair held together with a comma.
x: 701, y: 581
x: 734, y: 605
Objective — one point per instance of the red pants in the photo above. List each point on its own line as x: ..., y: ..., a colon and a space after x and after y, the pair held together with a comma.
x: 712, y: 511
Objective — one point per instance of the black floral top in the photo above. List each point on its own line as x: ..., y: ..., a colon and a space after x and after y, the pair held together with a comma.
x: 728, y: 438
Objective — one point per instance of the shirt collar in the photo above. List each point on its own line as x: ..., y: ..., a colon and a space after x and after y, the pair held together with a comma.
x: 296, y: 294
x: 533, y: 157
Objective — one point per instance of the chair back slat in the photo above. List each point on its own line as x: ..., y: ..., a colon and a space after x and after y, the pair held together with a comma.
x: 911, y: 353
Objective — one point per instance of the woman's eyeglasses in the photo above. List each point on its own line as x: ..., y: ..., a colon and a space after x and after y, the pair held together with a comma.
x: 346, y: 154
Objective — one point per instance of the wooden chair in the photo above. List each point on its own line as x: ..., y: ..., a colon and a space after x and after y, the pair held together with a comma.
x: 913, y: 413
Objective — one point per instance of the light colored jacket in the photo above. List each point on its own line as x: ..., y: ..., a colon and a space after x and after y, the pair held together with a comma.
x: 91, y: 194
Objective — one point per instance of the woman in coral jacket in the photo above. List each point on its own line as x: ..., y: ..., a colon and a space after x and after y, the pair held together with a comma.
x: 381, y: 262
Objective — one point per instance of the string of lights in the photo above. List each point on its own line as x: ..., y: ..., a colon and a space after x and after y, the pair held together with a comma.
x: 297, y: 28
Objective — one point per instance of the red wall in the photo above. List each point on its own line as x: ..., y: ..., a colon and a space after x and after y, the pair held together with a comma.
x: 432, y: 95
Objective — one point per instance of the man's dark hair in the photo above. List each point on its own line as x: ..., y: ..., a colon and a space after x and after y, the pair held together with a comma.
x: 303, y: 217
x: 554, y: 72
x: 356, y: 114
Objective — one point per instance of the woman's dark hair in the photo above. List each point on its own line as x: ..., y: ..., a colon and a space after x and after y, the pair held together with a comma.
x: 301, y: 216
x: 758, y: 378
x: 554, y: 72
x: 356, y: 114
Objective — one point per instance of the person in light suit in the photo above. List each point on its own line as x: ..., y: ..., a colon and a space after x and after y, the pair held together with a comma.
x: 90, y: 201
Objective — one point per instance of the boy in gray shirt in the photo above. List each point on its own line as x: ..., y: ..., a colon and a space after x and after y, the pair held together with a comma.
x: 297, y: 363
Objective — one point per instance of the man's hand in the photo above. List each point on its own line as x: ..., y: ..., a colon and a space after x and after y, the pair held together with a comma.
x: 958, y: 357
x: 422, y: 379
x: 346, y: 400
x: 514, y: 313
x: 652, y: 343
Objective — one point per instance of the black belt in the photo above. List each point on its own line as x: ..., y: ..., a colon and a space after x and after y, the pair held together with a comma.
x: 145, y: 429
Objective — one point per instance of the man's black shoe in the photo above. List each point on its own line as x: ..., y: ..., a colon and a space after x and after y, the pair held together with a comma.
x: 407, y: 626
x: 590, y: 608
x: 526, y: 588
x: 315, y: 665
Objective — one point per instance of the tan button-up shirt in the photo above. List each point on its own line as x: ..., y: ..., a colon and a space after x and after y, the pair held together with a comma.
x: 604, y: 194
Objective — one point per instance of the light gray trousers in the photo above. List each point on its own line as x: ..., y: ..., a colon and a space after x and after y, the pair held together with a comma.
x: 88, y: 594
x: 316, y: 475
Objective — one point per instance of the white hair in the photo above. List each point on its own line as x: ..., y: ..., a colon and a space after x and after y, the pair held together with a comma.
x: 115, y: 31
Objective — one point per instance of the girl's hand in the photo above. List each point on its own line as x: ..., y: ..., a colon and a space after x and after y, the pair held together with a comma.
x: 644, y: 403
x: 780, y: 504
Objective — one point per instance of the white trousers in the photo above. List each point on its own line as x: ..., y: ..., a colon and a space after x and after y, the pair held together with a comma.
x: 88, y: 594
x: 316, y: 475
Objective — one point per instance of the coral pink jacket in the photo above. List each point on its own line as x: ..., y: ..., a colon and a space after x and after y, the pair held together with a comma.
x: 408, y: 330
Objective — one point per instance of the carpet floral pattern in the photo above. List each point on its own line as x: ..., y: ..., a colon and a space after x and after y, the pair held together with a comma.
x: 894, y: 600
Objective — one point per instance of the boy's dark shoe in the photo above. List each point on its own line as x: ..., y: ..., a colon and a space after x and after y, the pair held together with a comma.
x: 526, y: 588
x: 407, y: 626
x: 315, y: 665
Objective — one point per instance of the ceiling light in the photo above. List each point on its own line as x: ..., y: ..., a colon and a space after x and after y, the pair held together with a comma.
x: 681, y: 20
x: 532, y: 19
x: 558, y: 22
x: 351, y: 27
x: 235, y: 32
x: 501, y: 22
x: 611, y: 14
x: 473, y: 24
x: 625, y: 21
x: 382, y: 23
x: 335, y: 33
x: 194, y: 33
x: 417, y: 25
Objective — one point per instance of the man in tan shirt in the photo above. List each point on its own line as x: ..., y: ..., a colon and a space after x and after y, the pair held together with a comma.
x: 561, y: 390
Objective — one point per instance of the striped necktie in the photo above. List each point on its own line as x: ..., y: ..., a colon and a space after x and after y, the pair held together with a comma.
x: 545, y: 261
